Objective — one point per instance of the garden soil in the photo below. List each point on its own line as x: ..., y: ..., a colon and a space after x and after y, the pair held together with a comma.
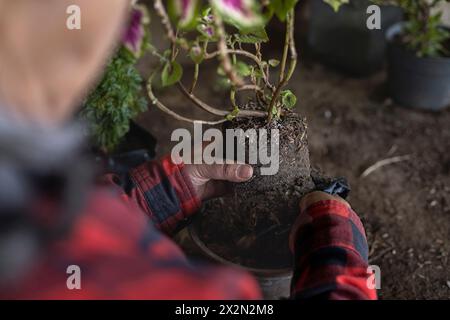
x: 352, y: 125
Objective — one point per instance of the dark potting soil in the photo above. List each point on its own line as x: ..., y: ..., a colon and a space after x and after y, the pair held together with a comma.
x: 251, y: 226
x: 352, y: 124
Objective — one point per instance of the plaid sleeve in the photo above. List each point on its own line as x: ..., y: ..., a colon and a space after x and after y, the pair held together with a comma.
x: 331, y: 254
x: 162, y: 191
x: 121, y: 256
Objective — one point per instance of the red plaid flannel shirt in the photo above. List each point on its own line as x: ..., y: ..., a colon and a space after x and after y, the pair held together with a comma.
x: 123, y: 254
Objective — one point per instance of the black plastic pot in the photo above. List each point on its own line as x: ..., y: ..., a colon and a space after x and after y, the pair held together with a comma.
x: 138, y: 138
x: 342, y: 40
x: 416, y: 82
x: 275, y: 283
x: 137, y: 147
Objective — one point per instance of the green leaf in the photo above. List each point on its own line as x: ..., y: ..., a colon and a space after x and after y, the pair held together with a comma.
x: 240, y: 14
x: 260, y: 33
x: 282, y: 7
x: 116, y: 100
x: 243, y: 69
x: 274, y: 62
x: 222, y: 84
x: 196, y: 54
x: 248, y: 38
x: 288, y: 99
x: 256, y: 35
x: 171, y: 74
x: 233, y: 114
x: 425, y: 37
x: 220, y: 71
x: 336, y: 4
x: 184, y: 13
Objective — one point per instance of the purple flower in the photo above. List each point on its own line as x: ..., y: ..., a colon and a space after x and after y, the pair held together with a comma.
x: 185, y: 4
x: 235, y: 4
x: 134, y: 35
x: 206, y: 30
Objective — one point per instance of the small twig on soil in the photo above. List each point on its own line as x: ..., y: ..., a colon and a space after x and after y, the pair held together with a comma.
x: 380, y: 254
x: 373, y: 247
x: 382, y: 163
x: 392, y: 150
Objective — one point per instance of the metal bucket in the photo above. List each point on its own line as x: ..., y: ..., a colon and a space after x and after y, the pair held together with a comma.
x: 275, y: 283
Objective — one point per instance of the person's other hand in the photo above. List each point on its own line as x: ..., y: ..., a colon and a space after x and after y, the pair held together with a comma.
x: 213, y: 180
x: 306, y: 201
x: 317, y: 196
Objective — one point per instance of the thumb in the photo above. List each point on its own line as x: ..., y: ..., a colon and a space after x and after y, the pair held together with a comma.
x: 227, y: 172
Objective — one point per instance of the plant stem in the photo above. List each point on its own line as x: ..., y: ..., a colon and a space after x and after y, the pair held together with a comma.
x: 218, y: 112
x: 259, y: 55
x: 233, y: 98
x: 161, y: 12
x: 223, y: 52
x: 175, y: 115
x: 252, y: 87
x: 194, y: 82
x: 248, y: 55
x: 289, y: 43
x: 285, y: 52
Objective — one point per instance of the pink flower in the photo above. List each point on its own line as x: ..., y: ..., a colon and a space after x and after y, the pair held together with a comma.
x: 135, y: 33
x: 241, y: 13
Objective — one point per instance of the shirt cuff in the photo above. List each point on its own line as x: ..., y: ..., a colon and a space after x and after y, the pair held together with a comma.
x: 168, y: 192
x: 328, y: 223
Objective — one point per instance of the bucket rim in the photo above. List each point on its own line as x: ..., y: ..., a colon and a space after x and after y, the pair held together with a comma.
x: 280, y: 272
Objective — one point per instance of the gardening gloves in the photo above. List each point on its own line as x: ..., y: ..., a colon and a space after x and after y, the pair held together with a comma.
x: 213, y: 180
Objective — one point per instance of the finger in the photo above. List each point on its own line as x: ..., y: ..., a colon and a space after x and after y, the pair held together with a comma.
x: 227, y: 172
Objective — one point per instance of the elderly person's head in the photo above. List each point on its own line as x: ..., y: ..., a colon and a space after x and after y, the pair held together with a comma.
x: 45, y: 68
x: 45, y: 71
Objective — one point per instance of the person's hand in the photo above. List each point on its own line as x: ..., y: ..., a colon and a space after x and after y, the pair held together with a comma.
x: 317, y: 196
x: 213, y: 180
x: 306, y: 201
